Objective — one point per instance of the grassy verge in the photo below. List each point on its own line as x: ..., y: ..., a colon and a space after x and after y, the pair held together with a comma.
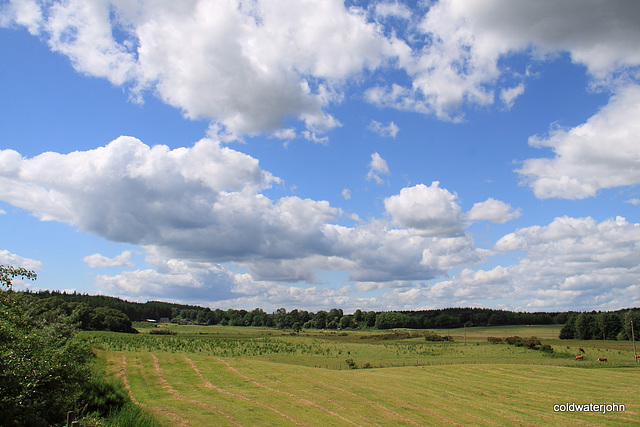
x: 108, y: 401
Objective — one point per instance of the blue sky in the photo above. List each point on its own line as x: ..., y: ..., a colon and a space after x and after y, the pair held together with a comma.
x: 373, y: 155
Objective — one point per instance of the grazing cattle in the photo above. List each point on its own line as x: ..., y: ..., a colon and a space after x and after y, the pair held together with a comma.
x: 580, y: 350
x: 637, y: 356
x: 579, y: 357
x: 602, y: 359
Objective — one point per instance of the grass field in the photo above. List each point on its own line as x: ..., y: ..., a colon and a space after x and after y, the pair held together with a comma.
x: 214, y: 375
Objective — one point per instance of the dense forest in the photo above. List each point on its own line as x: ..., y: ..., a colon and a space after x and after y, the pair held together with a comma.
x: 594, y: 325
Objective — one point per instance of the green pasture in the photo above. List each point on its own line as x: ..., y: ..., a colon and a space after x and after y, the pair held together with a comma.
x: 220, y: 375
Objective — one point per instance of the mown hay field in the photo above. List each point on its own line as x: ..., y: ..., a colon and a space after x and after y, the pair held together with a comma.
x: 256, y: 376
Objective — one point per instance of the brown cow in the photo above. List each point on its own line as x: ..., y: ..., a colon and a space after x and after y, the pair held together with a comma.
x: 602, y: 359
x: 579, y: 357
x: 637, y: 356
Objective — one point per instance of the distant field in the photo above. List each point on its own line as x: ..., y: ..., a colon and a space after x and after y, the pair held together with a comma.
x: 257, y: 376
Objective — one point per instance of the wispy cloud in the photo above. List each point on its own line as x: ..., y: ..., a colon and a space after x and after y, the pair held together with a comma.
x: 390, y: 130
x: 377, y: 166
x: 508, y: 96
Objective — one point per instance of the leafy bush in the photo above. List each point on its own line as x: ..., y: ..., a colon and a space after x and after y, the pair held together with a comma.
x: 432, y: 336
x: 546, y: 348
x: 162, y: 332
x: 429, y: 336
x: 532, y: 343
x: 44, y: 369
x: 514, y: 340
x: 43, y: 366
x: 110, y: 319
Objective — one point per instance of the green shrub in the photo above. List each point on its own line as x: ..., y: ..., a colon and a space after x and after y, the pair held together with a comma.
x: 44, y: 369
x: 532, y: 343
x: 129, y: 415
x: 102, y: 396
x: 514, y: 340
x: 432, y: 336
x: 43, y: 366
x: 546, y: 349
x: 162, y: 332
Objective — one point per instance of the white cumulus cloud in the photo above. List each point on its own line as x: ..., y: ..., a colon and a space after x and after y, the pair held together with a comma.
x: 247, y: 65
x: 252, y: 66
x: 570, y: 264
x: 453, y: 56
x: 204, y: 204
x: 429, y: 210
x: 8, y: 258
x: 603, y: 152
x: 101, y: 261
x: 395, y: 9
x: 493, y: 210
x: 171, y: 279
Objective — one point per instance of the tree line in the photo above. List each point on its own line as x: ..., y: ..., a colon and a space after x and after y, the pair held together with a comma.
x: 322, y: 319
x: 588, y: 325
x: 608, y: 325
x: 82, y: 315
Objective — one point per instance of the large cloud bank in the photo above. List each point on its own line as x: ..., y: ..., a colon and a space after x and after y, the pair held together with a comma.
x: 267, y: 66
x: 205, y: 203
x: 251, y: 65
x: 202, y: 213
x: 201, y: 221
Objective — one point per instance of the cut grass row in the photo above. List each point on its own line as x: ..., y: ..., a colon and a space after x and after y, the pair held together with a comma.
x: 264, y: 377
x: 205, y: 390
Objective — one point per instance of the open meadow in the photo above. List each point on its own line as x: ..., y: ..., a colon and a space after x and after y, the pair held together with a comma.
x: 221, y: 375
